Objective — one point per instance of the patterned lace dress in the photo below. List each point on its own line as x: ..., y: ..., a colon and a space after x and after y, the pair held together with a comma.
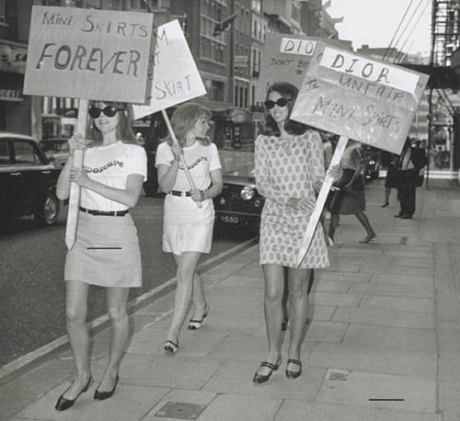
x: 289, y: 167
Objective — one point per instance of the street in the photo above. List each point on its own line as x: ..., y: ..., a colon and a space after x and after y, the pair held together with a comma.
x: 32, y: 298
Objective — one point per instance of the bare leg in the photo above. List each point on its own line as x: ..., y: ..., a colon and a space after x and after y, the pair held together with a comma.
x: 186, y: 266
x: 387, y: 196
x: 334, y: 222
x: 298, y: 299
x: 199, y: 301
x: 76, y: 309
x: 274, y: 286
x: 362, y: 218
x: 116, y: 305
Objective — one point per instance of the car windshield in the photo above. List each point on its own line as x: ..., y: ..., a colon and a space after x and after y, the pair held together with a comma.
x: 55, y: 145
x: 237, y: 162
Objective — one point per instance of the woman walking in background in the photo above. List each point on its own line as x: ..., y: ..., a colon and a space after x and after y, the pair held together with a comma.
x: 106, y: 252
x: 289, y: 172
x: 350, y: 199
x: 392, y: 177
x: 188, y: 214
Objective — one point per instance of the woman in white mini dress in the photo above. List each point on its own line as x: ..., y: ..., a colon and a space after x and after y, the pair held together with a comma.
x: 106, y: 252
x: 188, y: 214
x: 289, y: 171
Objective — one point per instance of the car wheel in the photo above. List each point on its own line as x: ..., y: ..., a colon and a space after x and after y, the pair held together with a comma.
x: 47, y: 213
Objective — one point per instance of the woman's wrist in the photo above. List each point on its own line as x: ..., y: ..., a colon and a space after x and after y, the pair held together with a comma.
x: 203, y: 195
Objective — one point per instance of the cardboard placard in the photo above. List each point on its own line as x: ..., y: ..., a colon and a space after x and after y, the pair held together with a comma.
x: 175, y: 76
x: 286, y: 59
x: 359, y: 98
x: 92, y: 54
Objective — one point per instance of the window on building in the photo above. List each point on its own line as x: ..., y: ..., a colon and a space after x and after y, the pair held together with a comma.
x: 253, y: 95
x: 2, y: 11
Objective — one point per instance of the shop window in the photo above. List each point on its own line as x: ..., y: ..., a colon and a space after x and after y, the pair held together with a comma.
x: 2, y: 11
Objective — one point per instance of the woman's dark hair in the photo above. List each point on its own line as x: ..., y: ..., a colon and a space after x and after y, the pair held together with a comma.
x: 125, y: 131
x: 184, y: 118
x: 289, y: 92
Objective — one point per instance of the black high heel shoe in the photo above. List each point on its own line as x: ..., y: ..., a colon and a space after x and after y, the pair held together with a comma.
x: 100, y: 395
x: 63, y: 403
x: 293, y: 374
x: 262, y: 378
x: 194, y: 324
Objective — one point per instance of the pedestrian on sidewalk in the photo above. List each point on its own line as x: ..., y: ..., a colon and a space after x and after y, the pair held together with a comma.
x: 350, y: 198
x: 106, y: 252
x: 391, y: 161
x: 188, y: 220
x: 411, y: 164
x: 289, y: 171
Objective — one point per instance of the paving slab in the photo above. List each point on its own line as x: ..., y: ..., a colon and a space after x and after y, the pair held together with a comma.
x: 374, y: 359
x: 410, y: 304
x: 302, y: 411
x: 418, y: 394
x: 400, y: 339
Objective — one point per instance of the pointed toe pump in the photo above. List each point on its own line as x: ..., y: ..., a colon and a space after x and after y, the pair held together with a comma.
x: 102, y: 395
x: 63, y: 403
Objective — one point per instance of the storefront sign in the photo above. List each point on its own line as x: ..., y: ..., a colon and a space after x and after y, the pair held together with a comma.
x: 11, y: 87
x: 12, y: 57
x: 175, y: 77
x: 92, y: 54
x: 359, y: 98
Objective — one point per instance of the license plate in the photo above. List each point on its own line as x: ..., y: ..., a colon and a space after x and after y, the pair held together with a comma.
x: 229, y: 219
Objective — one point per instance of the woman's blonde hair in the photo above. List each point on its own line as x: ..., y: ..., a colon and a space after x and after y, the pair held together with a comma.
x: 125, y: 131
x: 184, y: 119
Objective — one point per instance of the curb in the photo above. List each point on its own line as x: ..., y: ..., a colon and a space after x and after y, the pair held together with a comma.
x: 24, y: 360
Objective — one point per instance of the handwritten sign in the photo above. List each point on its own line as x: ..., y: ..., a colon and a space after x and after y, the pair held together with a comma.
x: 175, y: 77
x: 359, y: 98
x: 93, y: 54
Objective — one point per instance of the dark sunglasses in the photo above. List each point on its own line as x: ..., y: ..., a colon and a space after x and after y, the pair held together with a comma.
x: 281, y: 102
x: 109, y: 111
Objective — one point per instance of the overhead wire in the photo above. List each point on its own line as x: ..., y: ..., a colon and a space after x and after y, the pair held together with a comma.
x: 401, y: 53
x: 406, y: 26
x: 396, y: 31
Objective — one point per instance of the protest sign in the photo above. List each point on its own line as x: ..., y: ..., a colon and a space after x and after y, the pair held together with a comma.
x: 175, y: 77
x: 359, y: 98
x: 92, y: 54
x: 286, y: 59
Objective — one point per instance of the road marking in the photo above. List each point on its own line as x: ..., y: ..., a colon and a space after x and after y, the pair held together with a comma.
x: 28, y: 358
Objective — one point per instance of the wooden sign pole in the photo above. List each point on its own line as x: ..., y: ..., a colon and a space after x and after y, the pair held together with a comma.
x: 77, y: 162
x: 182, y: 159
x: 319, y: 205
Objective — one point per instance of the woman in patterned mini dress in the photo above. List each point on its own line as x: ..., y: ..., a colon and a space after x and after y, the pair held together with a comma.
x: 289, y: 172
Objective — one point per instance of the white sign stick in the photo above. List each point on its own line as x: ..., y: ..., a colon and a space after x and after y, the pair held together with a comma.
x: 319, y: 205
x: 182, y: 159
x: 77, y: 162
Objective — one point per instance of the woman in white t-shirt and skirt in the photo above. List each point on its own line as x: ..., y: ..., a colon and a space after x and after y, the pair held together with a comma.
x: 106, y: 251
x: 188, y: 214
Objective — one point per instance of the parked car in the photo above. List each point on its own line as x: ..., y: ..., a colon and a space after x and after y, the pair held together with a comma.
x: 151, y: 185
x: 27, y: 180
x: 239, y: 204
x: 56, y: 149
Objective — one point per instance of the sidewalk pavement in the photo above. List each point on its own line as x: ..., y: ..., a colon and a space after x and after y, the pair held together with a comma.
x: 383, y: 342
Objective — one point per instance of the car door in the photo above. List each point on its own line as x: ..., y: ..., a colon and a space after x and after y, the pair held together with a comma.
x: 9, y: 178
x: 29, y: 168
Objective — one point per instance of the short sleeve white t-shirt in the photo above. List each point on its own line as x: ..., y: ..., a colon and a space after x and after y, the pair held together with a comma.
x: 200, y: 159
x: 111, y: 165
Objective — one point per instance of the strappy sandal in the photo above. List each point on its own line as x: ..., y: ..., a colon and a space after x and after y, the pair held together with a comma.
x: 171, y: 346
x: 293, y: 374
x: 194, y: 324
x: 262, y: 378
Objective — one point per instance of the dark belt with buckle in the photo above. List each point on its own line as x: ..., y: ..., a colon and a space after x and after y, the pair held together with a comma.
x: 104, y: 213
x: 180, y: 193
